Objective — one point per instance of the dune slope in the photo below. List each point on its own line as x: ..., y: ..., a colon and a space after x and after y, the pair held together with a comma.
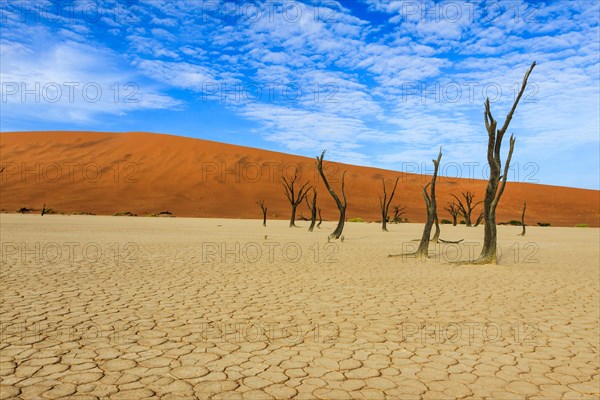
x: 145, y: 173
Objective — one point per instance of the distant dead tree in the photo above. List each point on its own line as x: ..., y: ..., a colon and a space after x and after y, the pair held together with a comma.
x: 384, y: 203
x: 495, y: 188
x: 398, y: 213
x: 431, y: 204
x: 523, y: 218
x: 313, y: 210
x: 263, y: 207
x: 43, y: 210
x: 293, y: 197
x: 466, y: 208
x: 479, y: 219
x: 341, y: 205
x: 453, y: 209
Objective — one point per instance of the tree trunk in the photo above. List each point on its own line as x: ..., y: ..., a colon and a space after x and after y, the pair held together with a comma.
x: 263, y: 207
x: 313, y: 221
x: 313, y: 210
x: 384, y: 203
x: 523, y: 218
x: 478, y: 220
x: 430, y: 202
x: 340, y: 226
x: 320, y: 220
x: 436, y: 236
x: 454, y: 220
x: 293, y: 217
x: 495, y: 188
x: 341, y: 205
x: 291, y: 195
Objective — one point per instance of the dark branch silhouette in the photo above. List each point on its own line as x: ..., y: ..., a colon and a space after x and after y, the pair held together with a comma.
x: 293, y: 197
x: 341, y: 203
x: 453, y: 209
x: 466, y: 208
x: 384, y: 203
x: 263, y: 207
x: 312, y: 206
x: 497, y: 181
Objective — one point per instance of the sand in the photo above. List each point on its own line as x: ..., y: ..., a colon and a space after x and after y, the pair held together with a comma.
x: 106, y: 173
x: 125, y: 308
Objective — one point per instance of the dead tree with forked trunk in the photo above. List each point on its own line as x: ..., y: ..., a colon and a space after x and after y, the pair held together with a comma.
x: 497, y: 181
x: 313, y: 210
x: 466, y: 208
x: 523, y: 218
x: 263, y: 207
x: 452, y: 208
x: 384, y: 203
x: 341, y: 203
x: 291, y: 195
x: 430, y: 202
x: 398, y: 213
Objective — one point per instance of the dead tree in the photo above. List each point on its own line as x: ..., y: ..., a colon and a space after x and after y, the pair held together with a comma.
x: 467, y: 207
x: 384, y: 203
x: 523, y: 218
x: 479, y: 219
x: 341, y: 205
x: 291, y: 195
x: 453, y: 209
x: 313, y: 210
x: 398, y: 213
x: 496, y: 182
x: 263, y: 207
x: 431, y: 204
x: 43, y: 210
x: 320, y: 220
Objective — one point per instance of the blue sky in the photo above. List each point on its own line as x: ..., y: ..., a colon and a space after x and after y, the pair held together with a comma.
x: 380, y: 83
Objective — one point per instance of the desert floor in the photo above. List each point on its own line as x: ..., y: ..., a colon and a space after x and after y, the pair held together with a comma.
x: 172, y: 308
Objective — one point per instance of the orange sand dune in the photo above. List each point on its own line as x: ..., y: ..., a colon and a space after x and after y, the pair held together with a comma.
x: 145, y: 173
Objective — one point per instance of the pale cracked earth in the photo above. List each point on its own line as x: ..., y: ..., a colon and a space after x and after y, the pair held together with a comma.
x: 149, y: 308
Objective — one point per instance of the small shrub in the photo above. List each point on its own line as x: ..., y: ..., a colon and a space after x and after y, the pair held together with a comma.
x: 544, y: 223
x: 514, y: 222
x: 463, y: 222
x: 358, y: 219
x: 582, y: 226
x: 24, y: 210
x: 125, y: 214
x: 83, y: 213
x: 446, y: 222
